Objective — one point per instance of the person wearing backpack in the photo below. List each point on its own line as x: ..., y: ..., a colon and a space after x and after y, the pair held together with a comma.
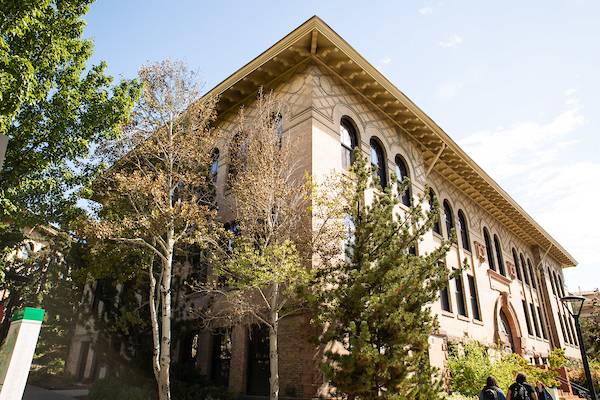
x: 491, y: 391
x: 521, y: 390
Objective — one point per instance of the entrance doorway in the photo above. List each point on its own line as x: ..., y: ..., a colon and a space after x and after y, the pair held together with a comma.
x: 258, y: 361
x: 506, y: 334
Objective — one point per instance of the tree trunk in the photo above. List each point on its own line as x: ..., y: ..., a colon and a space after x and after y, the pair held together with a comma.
x: 164, y: 384
x: 273, y: 350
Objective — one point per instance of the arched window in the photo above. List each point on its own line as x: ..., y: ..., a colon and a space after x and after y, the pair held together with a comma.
x: 432, y: 200
x: 499, y: 256
x: 401, y: 175
x: 378, y: 161
x: 464, y: 231
x: 532, y: 276
x: 525, y: 273
x: 448, y: 218
x: 349, y: 139
x: 488, y: 249
x: 517, y: 265
x: 214, y: 165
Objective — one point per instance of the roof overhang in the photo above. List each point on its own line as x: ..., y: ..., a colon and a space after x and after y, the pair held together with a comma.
x: 315, y: 41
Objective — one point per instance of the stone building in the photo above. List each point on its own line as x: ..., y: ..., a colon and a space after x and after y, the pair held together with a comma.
x: 509, y: 295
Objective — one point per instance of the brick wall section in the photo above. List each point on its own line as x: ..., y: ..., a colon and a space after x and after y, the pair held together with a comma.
x: 298, y: 359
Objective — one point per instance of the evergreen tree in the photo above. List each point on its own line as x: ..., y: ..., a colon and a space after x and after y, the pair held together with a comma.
x: 374, y: 300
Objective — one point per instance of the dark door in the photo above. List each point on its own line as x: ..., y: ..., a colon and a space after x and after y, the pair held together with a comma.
x: 83, y: 356
x: 258, y: 361
x: 221, y: 357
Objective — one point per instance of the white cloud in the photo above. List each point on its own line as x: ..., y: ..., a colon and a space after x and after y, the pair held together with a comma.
x: 453, y: 40
x: 448, y: 90
x: 383, y: 62
x: 425, y: 10
x: 529, y: 159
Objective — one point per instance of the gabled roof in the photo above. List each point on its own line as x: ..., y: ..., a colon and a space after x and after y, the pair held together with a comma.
x: 316, y: 41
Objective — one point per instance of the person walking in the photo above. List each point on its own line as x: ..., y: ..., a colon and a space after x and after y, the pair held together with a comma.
x: 521, y: 390
x: 542, y: 392
x: 491, y: 391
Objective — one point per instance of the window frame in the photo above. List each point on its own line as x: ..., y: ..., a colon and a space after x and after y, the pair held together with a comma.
x: 348, y: 124
x: 380, y: 168
x: 499, y: 255
x: 401, y: 175
x: 489, y: 250
x: 449, y: 222
x: 463, y: 227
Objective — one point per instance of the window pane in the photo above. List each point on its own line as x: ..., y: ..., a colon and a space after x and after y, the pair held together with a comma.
x: 535, y: 321
x: 464, y: 231
x: 436, y: 226
x: 499, y: 256
x: 488, y: 249
x: 527, y: 321
x: 474, y: 300
x: 378, y: 162
x: 517, y: 265
x: 460, y: 296
x: 401, y: 175
x: 448, y: 218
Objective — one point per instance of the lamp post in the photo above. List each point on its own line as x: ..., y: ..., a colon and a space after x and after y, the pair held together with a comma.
x: 576, y: 303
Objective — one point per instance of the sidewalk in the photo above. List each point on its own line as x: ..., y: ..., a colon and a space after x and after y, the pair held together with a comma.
x: 37, y: 393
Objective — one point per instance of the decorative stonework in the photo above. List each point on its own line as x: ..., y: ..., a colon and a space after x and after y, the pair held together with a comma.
x: 512, y: 271
x: 479, y: 251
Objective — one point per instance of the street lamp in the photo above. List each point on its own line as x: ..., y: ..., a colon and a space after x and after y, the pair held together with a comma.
x: 576, y: 303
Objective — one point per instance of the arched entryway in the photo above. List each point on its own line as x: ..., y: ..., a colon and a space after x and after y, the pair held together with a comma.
x: 508, y: 331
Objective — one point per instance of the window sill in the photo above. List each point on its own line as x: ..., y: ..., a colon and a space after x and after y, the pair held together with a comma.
x: 478, y: 322
x: 499, y: 277
x: 463, y: 318
x: 447, y: 314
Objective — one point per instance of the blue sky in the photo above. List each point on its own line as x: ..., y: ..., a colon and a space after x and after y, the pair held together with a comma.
x: 515, y: 83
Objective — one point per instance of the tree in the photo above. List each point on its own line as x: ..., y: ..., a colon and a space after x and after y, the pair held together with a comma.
x: 47, y: 277
x: 373, y: 302
x: 53, y: 108
x: 158, y: 195
x: 266, y: 261
x: 590, y: 329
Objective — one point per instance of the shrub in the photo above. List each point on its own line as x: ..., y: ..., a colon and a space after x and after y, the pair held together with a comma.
x: 117, y: 389
x: 577, y: 375
x: 471, y: 365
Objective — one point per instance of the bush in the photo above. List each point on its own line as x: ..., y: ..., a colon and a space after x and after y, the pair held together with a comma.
x: 117, y: 389
x: 459, y: 396
x: 471, y: 365
x: 577, y: 375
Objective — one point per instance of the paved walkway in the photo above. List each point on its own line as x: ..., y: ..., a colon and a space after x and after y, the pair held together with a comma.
x: 37, y: 393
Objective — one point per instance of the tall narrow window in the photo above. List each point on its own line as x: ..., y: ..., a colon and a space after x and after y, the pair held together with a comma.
x: 474, y: 299
x: 448, y: 218
x: 499, y: 256
x: 535, y: 320
x: 432, y: 200
x: 378, y: 161
x: 517, y: 265
x: 464, y: 231
x: 489, y: 252
x: 562, y: 328
x: 349, y: 139
x: 532, y: 275
x: 214, y: 166
x: 445, y: 298
x: 561, y: 287
x: 527, y: 321
x: 556, y: 283
x: 525, y: 273
x: 401, y: 176
x: 552, y: 282
x: 568, y: 329
x: 460, y: 295
x: 542, y: 323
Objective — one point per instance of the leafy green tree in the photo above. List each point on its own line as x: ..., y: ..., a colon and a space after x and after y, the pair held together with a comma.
x: 53, y: 108
x: 590, y: 330
x: 373, y: 301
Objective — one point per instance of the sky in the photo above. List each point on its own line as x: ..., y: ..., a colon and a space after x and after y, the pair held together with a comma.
x: 515, y: 83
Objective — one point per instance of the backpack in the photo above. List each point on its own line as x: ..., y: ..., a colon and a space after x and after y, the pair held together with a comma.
x: 520, y: 392
x: 490, y: 394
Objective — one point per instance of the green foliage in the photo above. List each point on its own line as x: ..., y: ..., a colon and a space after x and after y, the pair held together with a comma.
x: 470, y: 365
x: 590, y: 329
x: 375, y: 300
x: 121, y: 389
x: 53, y: 108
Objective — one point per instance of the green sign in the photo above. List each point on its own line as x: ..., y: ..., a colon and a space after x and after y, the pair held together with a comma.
x: 29, y: 313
